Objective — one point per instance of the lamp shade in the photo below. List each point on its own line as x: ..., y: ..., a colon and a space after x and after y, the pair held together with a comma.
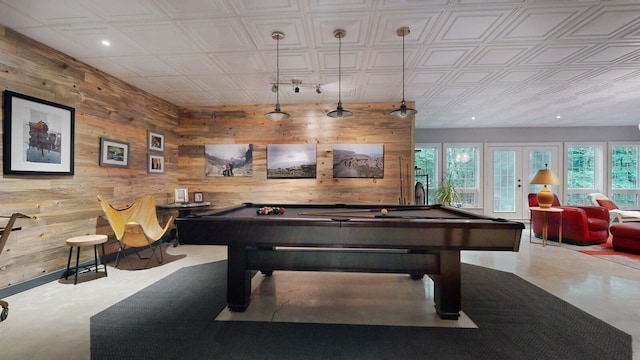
x: 545, y: 177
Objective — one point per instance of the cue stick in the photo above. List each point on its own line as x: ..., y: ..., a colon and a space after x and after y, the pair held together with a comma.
x: 408, y: 185
x: 355, y: 211
x: 401, y: 187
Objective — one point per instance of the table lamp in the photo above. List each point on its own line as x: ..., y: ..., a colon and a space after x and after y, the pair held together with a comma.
x: 545, y: 177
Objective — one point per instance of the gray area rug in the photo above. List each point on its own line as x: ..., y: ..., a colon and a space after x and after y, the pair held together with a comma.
x: 175, y: 319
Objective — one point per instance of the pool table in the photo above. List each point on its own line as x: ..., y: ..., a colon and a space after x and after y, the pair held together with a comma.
x: 413, y: 240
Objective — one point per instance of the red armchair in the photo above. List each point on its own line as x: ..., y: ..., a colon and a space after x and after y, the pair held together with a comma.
x: 581, y: 225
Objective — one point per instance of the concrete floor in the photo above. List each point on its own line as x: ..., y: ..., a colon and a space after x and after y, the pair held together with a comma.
x: 52, y: 320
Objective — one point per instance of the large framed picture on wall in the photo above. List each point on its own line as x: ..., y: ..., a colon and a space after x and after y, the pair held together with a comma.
x: 38, y: 136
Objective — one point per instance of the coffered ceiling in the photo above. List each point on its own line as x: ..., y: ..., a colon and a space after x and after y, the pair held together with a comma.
x: 468, y: 63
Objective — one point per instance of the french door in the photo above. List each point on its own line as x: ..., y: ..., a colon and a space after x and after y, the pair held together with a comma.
x: 509, y: 169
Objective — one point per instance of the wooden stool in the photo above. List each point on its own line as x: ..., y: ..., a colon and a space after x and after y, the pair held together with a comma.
x: 86, y: 240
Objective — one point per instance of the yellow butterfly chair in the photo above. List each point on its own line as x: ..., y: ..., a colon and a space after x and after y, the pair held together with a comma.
x: 136, y: 226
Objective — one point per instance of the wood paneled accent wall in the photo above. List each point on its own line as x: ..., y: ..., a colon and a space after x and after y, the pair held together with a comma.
x: 370, y: 124
x: 66, y: 206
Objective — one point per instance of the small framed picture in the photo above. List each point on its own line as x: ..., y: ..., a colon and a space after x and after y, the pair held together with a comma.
x: 198, y: 197
x: 156, y: 141
x: 181, y: 195
x: 156, y: 164
x: 114, y: 153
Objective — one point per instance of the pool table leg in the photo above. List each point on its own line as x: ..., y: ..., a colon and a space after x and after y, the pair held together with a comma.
x: 446, y: 286
x: 238, y: 279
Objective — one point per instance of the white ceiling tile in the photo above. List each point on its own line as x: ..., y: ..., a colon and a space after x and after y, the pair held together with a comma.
x: 442, y: 57
x: 498, y: 56
x: 159, y: 38
x: 180, y: 9
x: 193, y: 64
x: 126, y: 10
x: 54, y: 12
x: 260, y: 7
x: 539, y: 23
x: 222, y: 35
x: 16, y: 19
x: 176, y: 83
x: 260, y: 30
x: 471, y: 25
x: 611, y: 53
x: 245, y: 62
x: 554, y: 54
x: 145, y: 65
x: 90, y: 37
x: 607, y: 22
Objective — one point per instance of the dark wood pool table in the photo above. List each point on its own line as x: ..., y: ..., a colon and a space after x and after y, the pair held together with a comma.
x: 414, y: 240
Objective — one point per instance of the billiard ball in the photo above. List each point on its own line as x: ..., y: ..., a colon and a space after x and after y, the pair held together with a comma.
x: 383, y: 211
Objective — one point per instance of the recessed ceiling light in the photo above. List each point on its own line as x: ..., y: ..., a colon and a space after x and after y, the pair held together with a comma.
x: 558, y: 117
x: 106, y: 43
x: 473, y: 118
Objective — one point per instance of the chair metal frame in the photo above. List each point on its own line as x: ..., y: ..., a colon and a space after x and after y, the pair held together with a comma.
x: 4, y: 232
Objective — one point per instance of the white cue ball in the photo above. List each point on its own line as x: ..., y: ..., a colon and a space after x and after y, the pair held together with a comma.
x: 383, y: 211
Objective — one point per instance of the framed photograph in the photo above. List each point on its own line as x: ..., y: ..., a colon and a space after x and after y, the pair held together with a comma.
x: 228, y: 160
x: 181, y: 195
x: 296, y: 161
x: 156, y: 141
x: 38, y: 136
x: 114, y: 153
x: 358, y: 161
x: 198, y: 197
x: 155, y: 164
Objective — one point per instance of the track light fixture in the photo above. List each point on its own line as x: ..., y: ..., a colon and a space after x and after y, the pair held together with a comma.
x: 318, y: 90
x: 339, y: 112
x: 403, y: 111
x: 277, y: 114
x: 296, y: 85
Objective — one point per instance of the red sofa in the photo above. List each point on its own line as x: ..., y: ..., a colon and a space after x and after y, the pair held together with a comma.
x: 581, y: 225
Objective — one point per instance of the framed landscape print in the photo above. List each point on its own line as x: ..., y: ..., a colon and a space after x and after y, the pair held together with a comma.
x: 155, y: 164
x: 291, y: 161
x: 155, y: 141
x: 38, y: 136
x: 114, y: 153
x: 358, y: 161
x: 228, y: 160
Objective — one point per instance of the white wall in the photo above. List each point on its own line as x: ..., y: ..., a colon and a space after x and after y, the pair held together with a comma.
x: 508, y: 135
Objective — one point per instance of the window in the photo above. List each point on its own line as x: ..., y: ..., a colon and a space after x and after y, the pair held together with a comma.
x: 426, y: 165
x: 462, y: 166
x: 584, y: 172
x: 624, y: 174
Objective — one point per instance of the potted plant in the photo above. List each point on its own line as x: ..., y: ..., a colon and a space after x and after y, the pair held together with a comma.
x: 447, y: 193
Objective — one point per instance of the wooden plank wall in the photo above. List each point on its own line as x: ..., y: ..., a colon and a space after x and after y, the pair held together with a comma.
x: 370, y: 124
x: 66, y: 206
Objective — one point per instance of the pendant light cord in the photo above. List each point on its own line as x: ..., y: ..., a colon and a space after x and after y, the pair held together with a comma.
x: 403, y: 36
x: 278, y: 71
x: 340, y: 70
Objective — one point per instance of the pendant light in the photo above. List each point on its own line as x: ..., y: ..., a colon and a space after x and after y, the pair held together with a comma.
x: 277, y: 114
x: 403, y: 111
x: 339, y: 112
